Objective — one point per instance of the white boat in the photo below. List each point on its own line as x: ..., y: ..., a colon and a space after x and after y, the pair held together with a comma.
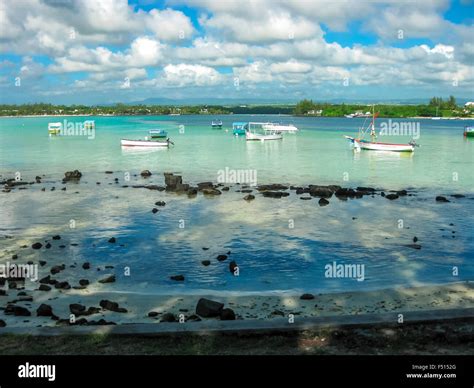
x: 145, y: 143
x: 280, y: 127
x: 371, y: 145
x: 256, y: 131
x: 376, y: 146
x: 55, y: 128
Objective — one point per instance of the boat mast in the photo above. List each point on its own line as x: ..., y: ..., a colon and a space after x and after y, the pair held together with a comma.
x: 372, y: 128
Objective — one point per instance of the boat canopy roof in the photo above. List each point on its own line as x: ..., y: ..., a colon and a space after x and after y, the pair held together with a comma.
x: 156, y: 131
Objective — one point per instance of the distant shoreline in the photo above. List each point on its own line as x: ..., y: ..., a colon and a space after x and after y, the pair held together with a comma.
x: 227, y: 114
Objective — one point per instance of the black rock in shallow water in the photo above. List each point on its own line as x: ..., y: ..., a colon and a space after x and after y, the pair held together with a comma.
x: 37, y: 245
x: 57, y: 237
x: 323, y: 202
x: 112, y: 306
x: 307, y: 297
x: 57, y: 268
x: 112, y: 240
x: 145, y: 173
x: 153, y: 314
x: 206, y: 262
x: 108, y: 279
x: 17, y: 311
x: 168, y: 317
x: 274, y: 194
x: 62, y: 285
x: 178, y: 278
x: 221, y: 257
x: 72, y: 176
x: 391, y: 196
x: 233, y: 266
x: 160, y: 203
x: 227, y: 315
x: 84, y: 282
x: 44, y: 310
x: 414, y: 246
x: 86, y: 265
x: 440, y: 198
x: 44, y: 287
x: 2, y: 323
x: 154, y: 210
x: 415, y: 239
x: 249, y: 197
x: 208, y: 308
x: 211, y: 191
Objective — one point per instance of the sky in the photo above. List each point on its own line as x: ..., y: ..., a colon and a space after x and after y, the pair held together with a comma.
x: 109, y: 51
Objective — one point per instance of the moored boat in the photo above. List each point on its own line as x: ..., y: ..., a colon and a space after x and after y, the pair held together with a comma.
x: 54, y: 128
x: 239, y: 128
x: 216, y: 124
x: 157, y: 133
x: 255, y: 131
x: 280, y: 127
x: 371, y: 145
x: 145, y: 143
x: 468, y: 131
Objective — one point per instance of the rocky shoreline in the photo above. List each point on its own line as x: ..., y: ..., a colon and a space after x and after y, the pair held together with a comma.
x: 20, y: 305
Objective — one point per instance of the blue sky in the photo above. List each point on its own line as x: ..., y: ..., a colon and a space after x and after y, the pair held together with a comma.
x: 92, y: 52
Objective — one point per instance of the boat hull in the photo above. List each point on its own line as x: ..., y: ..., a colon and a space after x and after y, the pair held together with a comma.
x: 262, y: 137
x: 143, y: 143
x: 374, y: 146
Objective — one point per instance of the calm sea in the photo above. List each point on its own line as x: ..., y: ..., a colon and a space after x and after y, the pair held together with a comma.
x: 279, y: 244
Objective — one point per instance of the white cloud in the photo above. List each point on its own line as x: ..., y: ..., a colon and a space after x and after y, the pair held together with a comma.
x: 189, y: 75
x: 169, y: 25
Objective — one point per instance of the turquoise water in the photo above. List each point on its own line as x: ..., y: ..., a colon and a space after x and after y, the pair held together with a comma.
x: 279, y: 244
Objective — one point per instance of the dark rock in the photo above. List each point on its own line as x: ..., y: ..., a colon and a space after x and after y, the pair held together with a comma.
x: 57, y: 237
x: 160, y: 203
x: 145, y: 173
x: 211, y: 192
x: 168, y: 317
x: 152, y: 314
x: 249, y: 197
x: 172, y: 181
x: 17, y: 311
x: 206, y: 262
x: 154, y: 210
x: 323, y: 202
x: 2, y: 323
x: 14, y: 257
x: 112, y: 240
x: 205, y: 185
x: 344, y: 193
x: 232, y: 266
x: 86, y: 265
x: 208, y: 308
x: 37, y: 245
x: 112, y: 306
x: 221, y: 257
x: 44, y: 310
x: 415, y: 239
x: 414, y: 246
x: 178, y: 278
x: 272, y: 187
x: 278, y: 312
x: 57, y: 268
x: 227, y: 315
x: 73, y: 176
x: 225, y: 188
x: 109, y: 172
x: 84, y: 282
x: 275, y: 194
x: 391, y: 197
x: 42, y: 263
x: 440, y: 198
x: 458, y: 196
x: 402, y: 193
x: 306, y: 198
x: 307, y: 297
x: 192, y: 192
x: 320, y: 191
x: 62, y: 285
x: 108, y: 279
x: 44, y: 287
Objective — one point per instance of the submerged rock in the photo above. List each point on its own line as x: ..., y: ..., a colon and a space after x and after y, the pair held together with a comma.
x: 440, y: 198
x: 44, y: 310
x: 178, y: 278
x: 307, y: 297
x: 168, y: 317
x: 205, y: 185
x: 44, y: 287
x: 112, y: 306
x: 145, y: 173
x: 154, y: 210
x: 37, y: 245
x: 57, y: 268
x: 112, y: 240
x: 391, y: 197
x: 323, y: 202
x: 62, y: 285
x: 86, y: 265
x: 233, y: 266
x: 227, y: 315
x: 272, y: 187
x: 206, y: 262
x: 414, y: 246
x: 211, y: 191
x: 208, y: 308
x: 275, y: 194
x: 108, y: 279
x: 221, y: 257
x: 249, y: 197
x: 84, y: 282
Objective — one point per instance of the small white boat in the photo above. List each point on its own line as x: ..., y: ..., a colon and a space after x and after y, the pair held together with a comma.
x: 256, y: 131
x: 145, y: 143
x: 371, y: 145
x: 54, y: 128
x: 216, y: 124
x: 376, y: 146
x: 280, y: 127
